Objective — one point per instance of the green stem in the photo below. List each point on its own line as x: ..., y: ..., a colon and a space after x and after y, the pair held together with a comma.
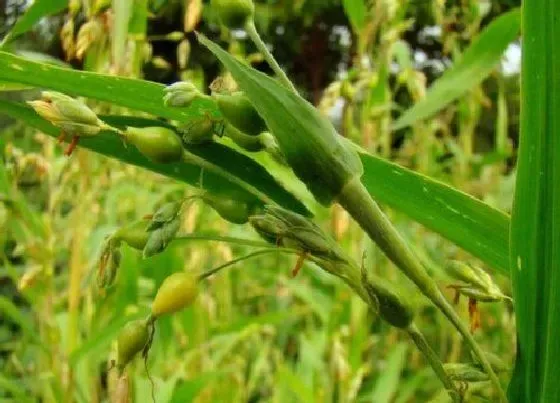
x: 191, y: 158
x: 352, y: 278
x: 348, y: 272
x: 251, y: 255
x: 261, y: 46
x: 357, y: 201
x: 219, y: 238
x: 436, y: 364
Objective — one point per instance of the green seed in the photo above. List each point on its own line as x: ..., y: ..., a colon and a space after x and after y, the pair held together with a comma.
x: 132, y: 340
x: 108, y: 266
x: 238, y: 111
x: 175, y: 293
x: 72, y: 109
x: 180, y: 94
x: 232, y: 210
x: 199, y: 131
x: 269, y: 227
x: 391, y: 305
x: 164, y: 214
x: 465, y: 372
x: 159, y: 144
x: 159, y: 238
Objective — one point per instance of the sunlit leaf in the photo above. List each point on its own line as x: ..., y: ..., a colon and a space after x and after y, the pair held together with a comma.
x: 470, y: 223
x: 356, y: 11
x: 37, y: 10
x: 535, y: 226
x: 478, y: 61
x: 387, y: 384
x: 235, y: 163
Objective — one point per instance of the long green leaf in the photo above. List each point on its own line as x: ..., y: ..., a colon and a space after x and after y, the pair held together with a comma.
x: 141, y: 95
x: 356, y: 11
x: 388, y: 382
x: 235, y: 163
x: 475, y: 65
x: 535, y: 227
x: 122, y: 10
x: 38, y: 10
x: 16, y: 387
x: 464, y: 220
x: 13, y: 313
x: 471, y: 224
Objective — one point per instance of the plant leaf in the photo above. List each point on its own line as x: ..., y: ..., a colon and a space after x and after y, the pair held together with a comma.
x: 122, y: 10
x: 16, y: 387
x: 475, y: 65
x: 308, y: 140
x: 470, y: 223
x: 535, y: 226
x: 13, y: 313
x: 141, y: 95
x: 37, y: 10
x: 235, y: 163
x: 356, y: 11
x: 388, y: 382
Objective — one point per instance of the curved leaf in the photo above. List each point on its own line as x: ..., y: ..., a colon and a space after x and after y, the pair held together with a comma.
x: 475, y: 65
x: 535, y: 227
x: 141, y: 95
x: 471, y: 224
x: 38, y: 10
x: 233, y: 162
x: 478, y: 228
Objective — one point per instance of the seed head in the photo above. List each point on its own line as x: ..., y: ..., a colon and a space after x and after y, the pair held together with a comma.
x: 237, y: 109
x: 180, y: 94
x: 71, y: 115
x: 159, y: 144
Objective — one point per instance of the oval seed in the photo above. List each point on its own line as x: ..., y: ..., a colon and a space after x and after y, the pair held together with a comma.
x: 159, y: 144
x: 132, y: 339
x: 175, y: 293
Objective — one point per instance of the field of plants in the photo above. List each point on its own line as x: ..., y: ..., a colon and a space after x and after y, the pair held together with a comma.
x: 279, y: 201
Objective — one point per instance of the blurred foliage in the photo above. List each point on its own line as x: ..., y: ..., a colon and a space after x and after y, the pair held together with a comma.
x: 254, y: 334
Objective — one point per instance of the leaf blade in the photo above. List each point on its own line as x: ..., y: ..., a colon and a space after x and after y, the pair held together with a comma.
x: 535, y: 229
x: 388, y: 182
x: 469, y: 223
x: 38, y: 10
x: 235, y: 163
x: 356, y: 11
x: 475, y: 65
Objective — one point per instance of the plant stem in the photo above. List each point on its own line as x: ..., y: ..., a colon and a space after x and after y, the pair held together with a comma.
x: 259, y: 252
x: 355, y: 282
x: 357, y: 201
x: 436, y: 364
x: 219, y: 238
x: 261, y: 46
x: 349, y: 273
